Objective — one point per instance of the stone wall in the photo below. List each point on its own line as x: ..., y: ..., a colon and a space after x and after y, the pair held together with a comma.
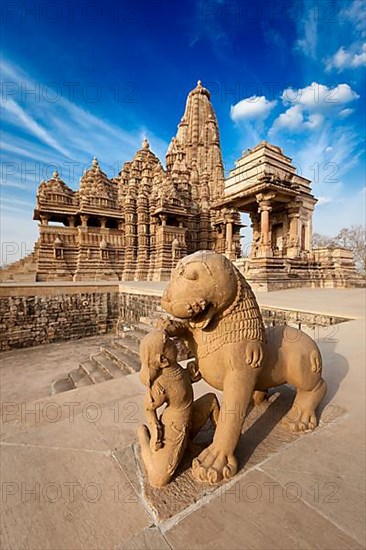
x: 132, y: 307
x: 41, y: 313
x: 33, y: 315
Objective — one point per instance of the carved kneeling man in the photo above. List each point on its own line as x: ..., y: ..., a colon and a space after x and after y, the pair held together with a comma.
x: 165, y: 439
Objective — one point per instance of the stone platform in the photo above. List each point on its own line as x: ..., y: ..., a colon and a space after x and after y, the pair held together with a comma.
x: 70, y: 478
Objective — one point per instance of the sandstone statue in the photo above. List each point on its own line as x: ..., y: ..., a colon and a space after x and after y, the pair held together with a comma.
x: 165, y: 439
x: 221, y: 320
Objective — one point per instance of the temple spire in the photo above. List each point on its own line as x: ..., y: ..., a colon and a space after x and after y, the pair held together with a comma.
x: 198, y: 137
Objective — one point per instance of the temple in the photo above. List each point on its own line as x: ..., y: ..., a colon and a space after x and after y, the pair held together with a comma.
x: 138, y: 225
x: 265, y: 185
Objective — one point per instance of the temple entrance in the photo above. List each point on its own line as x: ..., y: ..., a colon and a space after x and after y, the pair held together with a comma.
x: 277, y: 238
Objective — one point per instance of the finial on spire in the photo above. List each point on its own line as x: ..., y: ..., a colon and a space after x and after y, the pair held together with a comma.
x: 199, y: 83
x: 145, y: 143
x: 55, y: 174
x: 95, y: 161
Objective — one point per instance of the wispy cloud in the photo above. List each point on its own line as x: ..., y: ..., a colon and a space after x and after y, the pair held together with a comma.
x: 63, y: 127
x: 18, y: 116
x: 40, y: 136
x: 353, y: 58
x: 307, y: 41
x: 355, y: 13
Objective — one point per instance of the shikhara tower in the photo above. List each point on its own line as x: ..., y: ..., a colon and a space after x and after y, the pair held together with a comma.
x: 138, y: 225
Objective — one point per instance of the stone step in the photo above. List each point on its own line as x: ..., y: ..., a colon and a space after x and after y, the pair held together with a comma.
x: 127, y: 361
x: 62, y: 384
x: 79, y: 378
x: 137, y: 333
x: 93, y: 372
x: 143, y: 328
x: 111, y: 368
x: 129, y: 345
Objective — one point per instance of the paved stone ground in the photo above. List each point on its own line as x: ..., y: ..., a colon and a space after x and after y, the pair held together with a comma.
x: 66, y: 476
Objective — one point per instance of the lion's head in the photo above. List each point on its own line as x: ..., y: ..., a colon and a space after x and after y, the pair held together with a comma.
x: 203, y: 285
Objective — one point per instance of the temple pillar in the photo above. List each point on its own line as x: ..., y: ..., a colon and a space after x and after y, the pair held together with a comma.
x: 142, y: 238
x: 309, y: 243
x: 84, y: 220
x: 44, y: 219
x: 229, y: 249
x: 71, y: 221
x: 103, y: 222
x: 265, y: 207
x: 293, y: 245
x: 130, y: 240
x: 255, y: 244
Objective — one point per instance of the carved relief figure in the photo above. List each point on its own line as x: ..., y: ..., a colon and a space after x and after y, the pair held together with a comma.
x: 175, y: 249
x: 165, y: 439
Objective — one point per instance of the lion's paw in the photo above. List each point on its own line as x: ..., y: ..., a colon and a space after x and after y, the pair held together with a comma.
x: 213, y: 465
x: 300, y: 422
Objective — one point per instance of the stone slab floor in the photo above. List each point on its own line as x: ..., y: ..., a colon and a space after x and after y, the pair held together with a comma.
x: 67, y: 479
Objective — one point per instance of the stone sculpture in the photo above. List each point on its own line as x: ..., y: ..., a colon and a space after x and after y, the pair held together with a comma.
x: 221, y: 321
x: 225, y: 330
x: 165, y: 439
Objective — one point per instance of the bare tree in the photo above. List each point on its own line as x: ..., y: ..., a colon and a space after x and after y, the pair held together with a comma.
x: 321, y: 241
x: 355, y: 239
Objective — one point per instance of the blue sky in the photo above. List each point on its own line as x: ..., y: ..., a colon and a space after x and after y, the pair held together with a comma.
x: 93, y: 78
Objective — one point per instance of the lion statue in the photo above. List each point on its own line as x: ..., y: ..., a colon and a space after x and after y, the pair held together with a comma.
x: 221, y: 320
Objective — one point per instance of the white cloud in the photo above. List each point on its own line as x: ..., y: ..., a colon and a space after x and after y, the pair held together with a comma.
x: 252, y: 108
x: 319, y: 97
x: 296, y: 120
x: 345, y: 112
x: 324, y: 200
x: 347, y: 59
x: 310, y: 106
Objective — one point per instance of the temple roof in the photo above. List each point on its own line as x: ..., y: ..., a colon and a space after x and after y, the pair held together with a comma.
x: 199, y: 89
x: 54, y: 185
x: 95, y: 183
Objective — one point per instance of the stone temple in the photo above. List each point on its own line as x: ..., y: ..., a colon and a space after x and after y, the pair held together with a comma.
x: 138, y: 225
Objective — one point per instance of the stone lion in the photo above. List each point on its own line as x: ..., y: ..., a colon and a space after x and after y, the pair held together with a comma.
x: 222, y: 322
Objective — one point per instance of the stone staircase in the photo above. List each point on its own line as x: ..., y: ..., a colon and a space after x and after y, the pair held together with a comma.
x: 24, y: 269
x: 115, y: 360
